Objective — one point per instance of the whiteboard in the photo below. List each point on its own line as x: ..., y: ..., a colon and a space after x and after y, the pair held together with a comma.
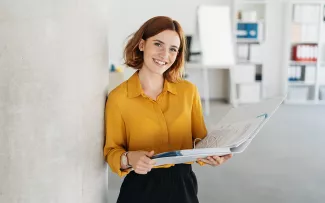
x: 214, y: 27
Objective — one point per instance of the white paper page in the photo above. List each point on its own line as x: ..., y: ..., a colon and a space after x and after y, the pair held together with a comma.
x: 244, y: 131
x: 241, y: 147
x: 269, y: 106
x: 244, y: 112
x: 231, y: 134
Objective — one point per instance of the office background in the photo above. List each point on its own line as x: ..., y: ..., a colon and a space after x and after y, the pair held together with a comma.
x: 55, y: 73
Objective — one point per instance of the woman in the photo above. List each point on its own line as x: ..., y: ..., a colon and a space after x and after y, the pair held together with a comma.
x: 155, y: 111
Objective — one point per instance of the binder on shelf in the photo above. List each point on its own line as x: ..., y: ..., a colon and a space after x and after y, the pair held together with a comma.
x: 256, y: 53
x: 296, y: 33
x: 310, y: 74
x: 322, y: 93
x: 295, y: 73
x: 250, y: 30
x: 306, y: 13
x: 298, y: 73
x: 304, y: 33
x: 247, y: 30
x: 248, y: 16
x: 305, y: 52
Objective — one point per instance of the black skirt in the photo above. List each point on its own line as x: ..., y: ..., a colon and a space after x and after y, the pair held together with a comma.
x: 166, y: 185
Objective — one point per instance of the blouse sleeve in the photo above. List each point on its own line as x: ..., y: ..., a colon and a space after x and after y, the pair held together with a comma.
x: 115, y: 143
x: 198, y: 125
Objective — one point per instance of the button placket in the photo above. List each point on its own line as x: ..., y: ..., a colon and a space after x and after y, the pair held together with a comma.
x: 163, y: 124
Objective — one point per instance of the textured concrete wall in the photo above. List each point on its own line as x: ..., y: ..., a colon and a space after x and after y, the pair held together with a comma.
x: 53, y: 78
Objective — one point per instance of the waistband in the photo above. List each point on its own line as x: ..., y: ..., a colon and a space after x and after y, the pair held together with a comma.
x: 177, y: 169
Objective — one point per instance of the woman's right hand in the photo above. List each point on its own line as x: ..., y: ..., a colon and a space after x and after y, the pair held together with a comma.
x: 140, y: 161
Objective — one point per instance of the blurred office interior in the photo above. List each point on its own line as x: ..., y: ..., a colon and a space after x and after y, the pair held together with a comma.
x: 59, y: 59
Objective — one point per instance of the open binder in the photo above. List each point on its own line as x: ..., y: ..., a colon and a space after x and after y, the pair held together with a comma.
x: 231, y: 135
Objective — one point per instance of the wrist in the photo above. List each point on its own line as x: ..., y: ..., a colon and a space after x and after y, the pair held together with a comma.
x: 125, y: 164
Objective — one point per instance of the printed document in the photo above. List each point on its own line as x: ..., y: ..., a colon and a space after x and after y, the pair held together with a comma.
x: 232, y: 134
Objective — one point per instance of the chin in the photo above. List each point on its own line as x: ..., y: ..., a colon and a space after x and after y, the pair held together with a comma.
x: 159, y: 72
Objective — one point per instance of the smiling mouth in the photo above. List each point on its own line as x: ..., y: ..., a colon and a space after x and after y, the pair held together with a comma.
x: 159, y: 63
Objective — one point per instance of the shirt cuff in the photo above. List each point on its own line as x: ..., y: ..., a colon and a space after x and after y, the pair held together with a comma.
x: 201, y: 163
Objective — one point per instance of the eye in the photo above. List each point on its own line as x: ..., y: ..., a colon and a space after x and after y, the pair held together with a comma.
x: 173, y: 50
x: 157, y: 44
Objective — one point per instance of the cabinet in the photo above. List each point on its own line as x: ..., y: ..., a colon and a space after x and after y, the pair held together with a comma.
x: 304, y: 67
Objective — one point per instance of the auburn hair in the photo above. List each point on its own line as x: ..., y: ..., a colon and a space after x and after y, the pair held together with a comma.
x: 134, y: 57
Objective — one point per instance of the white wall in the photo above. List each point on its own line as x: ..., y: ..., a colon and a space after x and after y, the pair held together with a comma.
x: 127, y: 16
x: 53, y: 80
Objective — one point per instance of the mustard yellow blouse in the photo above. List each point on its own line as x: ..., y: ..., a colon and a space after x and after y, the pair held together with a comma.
x: 136, y: 122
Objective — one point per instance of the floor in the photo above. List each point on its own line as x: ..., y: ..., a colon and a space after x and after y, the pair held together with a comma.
x: 285, y: 163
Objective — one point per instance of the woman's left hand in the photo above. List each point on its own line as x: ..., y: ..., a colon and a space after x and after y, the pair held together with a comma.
x: 216, y: 160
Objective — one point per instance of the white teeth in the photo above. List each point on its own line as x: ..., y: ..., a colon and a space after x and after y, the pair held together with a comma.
x: 160, y: 62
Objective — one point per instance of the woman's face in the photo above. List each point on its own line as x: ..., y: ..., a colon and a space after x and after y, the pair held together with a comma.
x: 160, y: 51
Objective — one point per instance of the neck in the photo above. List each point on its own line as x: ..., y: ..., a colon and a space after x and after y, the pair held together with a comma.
x: 151, y: 81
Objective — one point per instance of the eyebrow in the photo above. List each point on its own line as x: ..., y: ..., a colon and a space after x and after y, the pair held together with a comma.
x: 157, y: 40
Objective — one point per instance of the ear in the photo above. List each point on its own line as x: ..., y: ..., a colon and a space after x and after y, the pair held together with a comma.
x: 141, y: 45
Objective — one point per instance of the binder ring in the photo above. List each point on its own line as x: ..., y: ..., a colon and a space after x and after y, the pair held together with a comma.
x: 208, y: 140
x: 195, y: 141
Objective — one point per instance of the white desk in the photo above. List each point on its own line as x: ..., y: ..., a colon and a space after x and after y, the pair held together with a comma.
x: 115, y: 79
x: 206, y: 88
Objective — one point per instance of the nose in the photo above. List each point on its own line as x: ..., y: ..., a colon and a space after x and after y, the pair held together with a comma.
x: 164, y: 53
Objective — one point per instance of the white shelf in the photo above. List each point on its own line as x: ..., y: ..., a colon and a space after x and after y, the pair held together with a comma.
x: 289, y: 42
x: 258, y: 21
x: 248, y: 83
x: 255, y: 1
x: 248, y: 41
x: 198, y: 65
x: 301, y: 83
x: 248, y: 63
x: 305, y: 42
x: 261, y: 7
x: 307, y: 1
x: 297, y: 63
x: 305, y: 23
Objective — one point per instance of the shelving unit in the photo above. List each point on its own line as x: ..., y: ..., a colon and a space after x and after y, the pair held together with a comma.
x: 304, y: 57
x: 249, y: 68
x: 301, y: 83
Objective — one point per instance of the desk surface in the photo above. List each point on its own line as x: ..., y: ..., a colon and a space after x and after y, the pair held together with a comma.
x: 198, y: 65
